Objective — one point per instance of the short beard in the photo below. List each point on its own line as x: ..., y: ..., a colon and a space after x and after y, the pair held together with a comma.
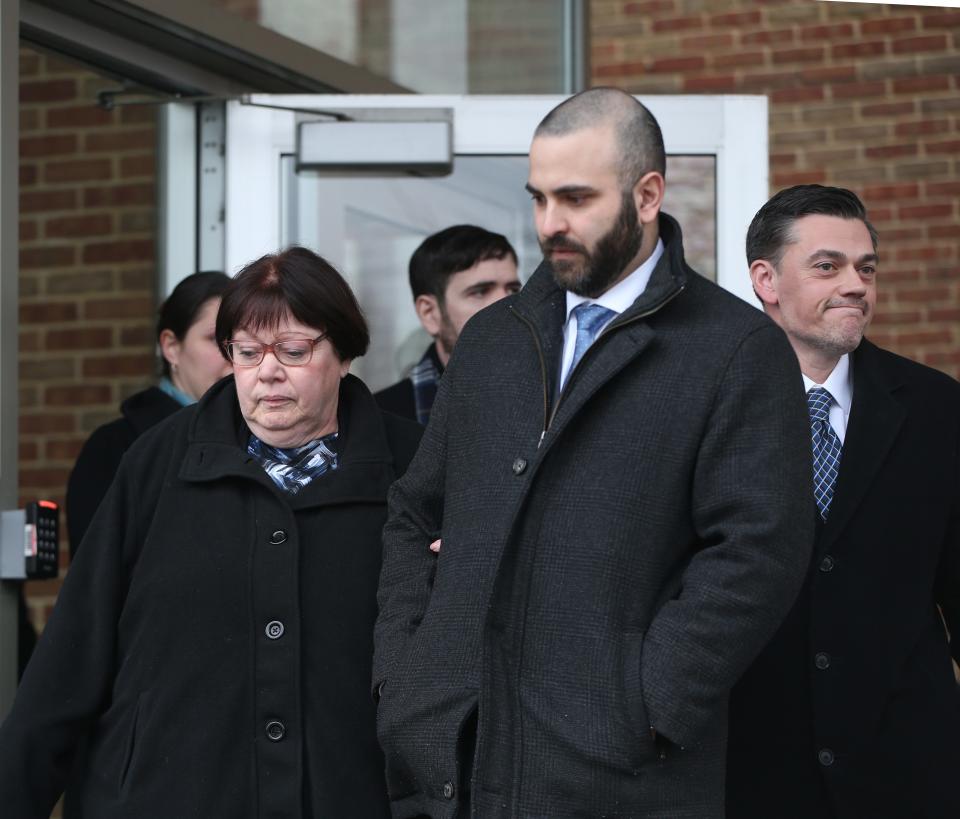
x: 447, y: 336
x: 600, y: 269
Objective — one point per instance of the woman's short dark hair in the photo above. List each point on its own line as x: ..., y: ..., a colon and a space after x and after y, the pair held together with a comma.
x: 179, y: 311
x: 299, y: 282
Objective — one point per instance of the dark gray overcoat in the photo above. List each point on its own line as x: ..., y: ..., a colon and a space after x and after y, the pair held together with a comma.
x: 612, y: 560
x: 213, y: 638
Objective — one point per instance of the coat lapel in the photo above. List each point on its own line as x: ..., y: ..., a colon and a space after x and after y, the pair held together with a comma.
x: 875, y: 420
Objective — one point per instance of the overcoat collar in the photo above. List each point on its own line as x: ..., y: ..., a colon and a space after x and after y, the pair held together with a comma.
x: 541, y: 305
x: 875, y: 420
x: 217, y: 448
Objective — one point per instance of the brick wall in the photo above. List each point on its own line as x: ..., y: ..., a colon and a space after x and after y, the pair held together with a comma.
x: 861, y: 95
x: 87, y: 277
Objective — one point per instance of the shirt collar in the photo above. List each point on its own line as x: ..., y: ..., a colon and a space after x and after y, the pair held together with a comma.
x: 838, y: 383
x: 624, y: 293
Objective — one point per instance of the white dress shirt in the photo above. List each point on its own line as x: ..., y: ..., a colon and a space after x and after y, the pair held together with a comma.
x: 840, y: 386
x: 618, y: 298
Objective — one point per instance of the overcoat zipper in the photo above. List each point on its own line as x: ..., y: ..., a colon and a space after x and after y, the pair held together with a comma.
x: 548, y: 416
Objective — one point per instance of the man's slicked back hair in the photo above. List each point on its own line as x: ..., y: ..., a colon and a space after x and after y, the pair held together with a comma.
x: 450, y: 251
x: 772, y: 228
x: 639, y: 140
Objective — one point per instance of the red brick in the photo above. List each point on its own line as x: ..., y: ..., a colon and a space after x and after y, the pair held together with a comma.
x: 888, y: 317
x: 857, y: 90
x: 41, y: 477
x: 712, y: 84
x: 41, y: 423
x: 888, y: 25
x: 945, y: 314
x: 784, y: 179
x: 34, y: 201
x: 906, y: 190
x: 29, y: 342
x: 783, y: 159
x: 922, y: 127
x: 944, y: 231
x: 119, y: 140
x: 119, y: 308
x: 84, y: 116
x: 830, y: 73
x: 798, y: 55
x: 28, y: 230
x: 78, y: 395
x: 46, y: 257
x: 915, y: 45
x: 809, y: 93
x: 620, y: 69
x: 948, y: 19
x: 138, y: 336
x: 116, y: 365
x: 64, y: 450
x: 677, y: 24
x: 736, y: 19
x: 776, y: 37
x: 925, y: 337
x: 707, y: 41
x: 827, y: 32
x: 48, y: 145
x: 943, y: 188
x: 80, y: 170
x: 680, y: 65
x: 888, y: 109
x: 739, y: 60
x: 29, y: 64
x: 47, y: 312
x: 141, y: 165
x: 47, y: 91
x: 130, y: 114
x: 950, y: 147
x: 648, y: 7
x: 79, y: 226
x: 134, y: 194
x: 870, y: 48
x: 28, y: 175
x: 924, y: 254
x: 128, y: 250
x: 28, y: 451
x: 80, y: 338
x: 913, y: 85
x: 932, y: 295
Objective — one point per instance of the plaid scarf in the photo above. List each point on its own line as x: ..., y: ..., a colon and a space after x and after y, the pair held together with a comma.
x: 425, y: 377
x: 293, y: 469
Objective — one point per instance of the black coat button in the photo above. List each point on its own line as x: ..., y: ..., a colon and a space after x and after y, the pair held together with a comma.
x: 278, y: 537
x: 827, y: 564
x: 448, y: 790
x: 275, y: 730
x: 274, y: 629
x: 519, y: 466
x: 825, y: 757
x: 822, y: 660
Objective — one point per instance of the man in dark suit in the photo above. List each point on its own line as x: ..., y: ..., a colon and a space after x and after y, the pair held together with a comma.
x: 620, y: 532
x: 453, y: 274
x: 852, y: 711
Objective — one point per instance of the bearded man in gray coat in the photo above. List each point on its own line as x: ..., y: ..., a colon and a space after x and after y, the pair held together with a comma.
x: 620, y: 531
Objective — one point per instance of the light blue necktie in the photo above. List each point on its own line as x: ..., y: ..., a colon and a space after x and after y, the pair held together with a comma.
x: 826, y: 448
x: 590, y: 318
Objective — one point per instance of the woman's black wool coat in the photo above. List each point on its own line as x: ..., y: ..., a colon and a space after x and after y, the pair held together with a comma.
x: 214, y: 636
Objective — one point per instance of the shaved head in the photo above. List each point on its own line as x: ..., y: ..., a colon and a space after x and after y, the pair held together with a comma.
x: 639, y: 141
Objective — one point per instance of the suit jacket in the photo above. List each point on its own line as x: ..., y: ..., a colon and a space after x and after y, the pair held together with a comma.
x: 611, y: 561
x: 852, y: 710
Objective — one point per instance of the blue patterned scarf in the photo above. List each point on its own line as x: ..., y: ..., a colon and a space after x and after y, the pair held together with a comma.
x: 425, y: 377
x: 293, y: 469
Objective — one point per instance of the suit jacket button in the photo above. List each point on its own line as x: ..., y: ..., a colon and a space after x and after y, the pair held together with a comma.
x: 448, y: 790
x: 274, y: 629
x: 822, y: 660
x: 275, y: 730
x: 278, y: 537
x: 825, y: 757
x: 519, y: 466
x: 827, y: 564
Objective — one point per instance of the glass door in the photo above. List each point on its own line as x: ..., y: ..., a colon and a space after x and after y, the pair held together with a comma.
x: 368, y: 226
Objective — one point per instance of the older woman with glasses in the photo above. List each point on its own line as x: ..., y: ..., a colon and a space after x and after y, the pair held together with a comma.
x: 215, y: 647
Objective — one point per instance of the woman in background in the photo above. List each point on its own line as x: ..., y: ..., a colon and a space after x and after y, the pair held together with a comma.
x: 192, y: 362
